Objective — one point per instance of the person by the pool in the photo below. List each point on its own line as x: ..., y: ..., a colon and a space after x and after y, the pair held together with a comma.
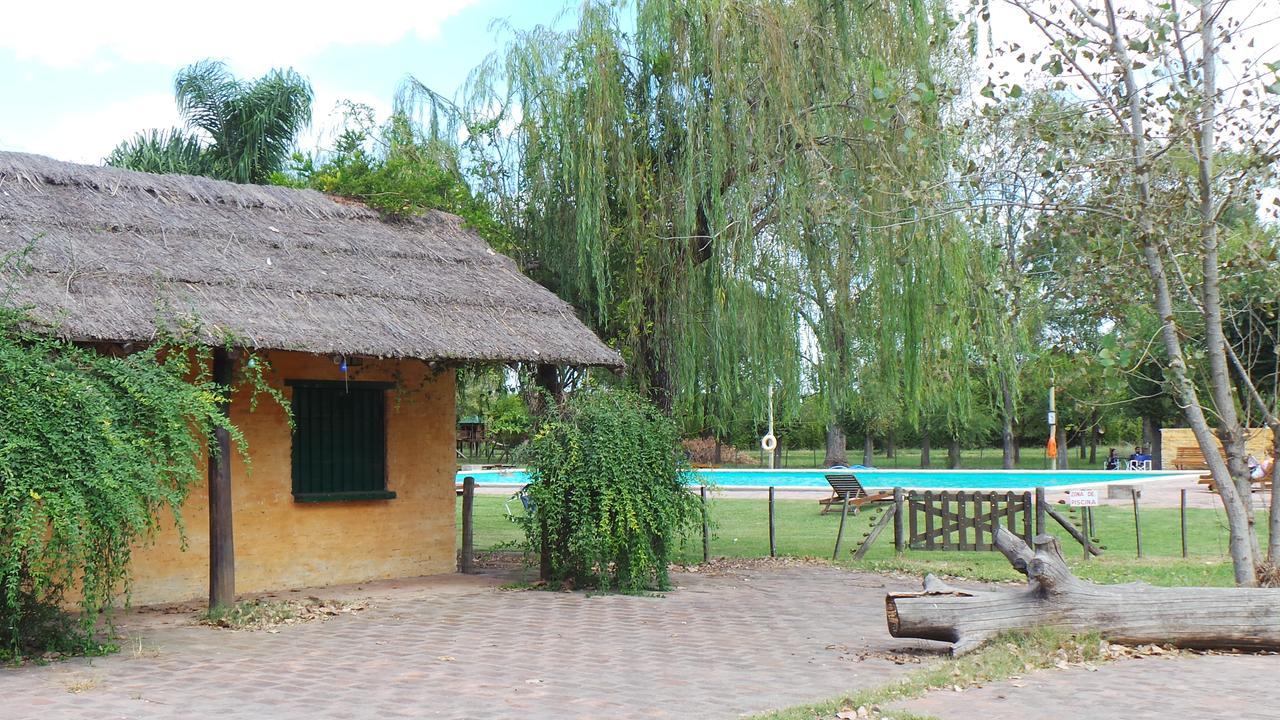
x: 1139, y: 455
x: 1113, y: 461
x: 1261, y: 470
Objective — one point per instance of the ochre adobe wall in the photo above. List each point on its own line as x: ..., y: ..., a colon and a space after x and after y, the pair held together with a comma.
x: 281, y: 544
x: 1256, y: 439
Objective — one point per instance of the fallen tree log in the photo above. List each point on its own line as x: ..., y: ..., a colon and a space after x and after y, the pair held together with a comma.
x: 1130, y: 614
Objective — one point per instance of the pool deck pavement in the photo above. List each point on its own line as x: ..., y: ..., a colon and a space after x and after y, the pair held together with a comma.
x: 725, y: 643
x: 730, y: 641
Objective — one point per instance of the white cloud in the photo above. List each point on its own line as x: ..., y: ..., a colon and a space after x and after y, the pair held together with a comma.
x: 257, y: 34
x: 87, y: 136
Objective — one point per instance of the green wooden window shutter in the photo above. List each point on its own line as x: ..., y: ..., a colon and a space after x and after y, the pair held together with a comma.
x: 339, y: 441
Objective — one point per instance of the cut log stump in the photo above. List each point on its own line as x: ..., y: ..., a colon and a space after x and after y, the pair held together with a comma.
x: 1130, y: 614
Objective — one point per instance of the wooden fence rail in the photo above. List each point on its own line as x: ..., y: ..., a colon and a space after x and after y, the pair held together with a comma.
x: 965, y: 520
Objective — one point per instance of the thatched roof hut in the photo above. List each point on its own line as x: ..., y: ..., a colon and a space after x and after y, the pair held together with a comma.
x: 114, y: 252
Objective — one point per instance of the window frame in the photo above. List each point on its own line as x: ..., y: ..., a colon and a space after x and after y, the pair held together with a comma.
x: 347, y: 495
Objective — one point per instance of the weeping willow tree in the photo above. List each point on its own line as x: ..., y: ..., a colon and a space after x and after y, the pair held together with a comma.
x: 728, y: 189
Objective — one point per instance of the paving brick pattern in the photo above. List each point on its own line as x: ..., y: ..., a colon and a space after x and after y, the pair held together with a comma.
x: 1214, y: 687
x: 723, y: 645
x: 459, y: 647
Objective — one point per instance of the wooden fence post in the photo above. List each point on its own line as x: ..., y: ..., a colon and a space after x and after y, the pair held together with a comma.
x: 706, y: 529
x: 1137, y: 521
x: 773, y: 545
x: 468, y: 525
x: 1183, y: 519
x: 899, y: 541
x: 1040, y: 511
x: 1084, y: 525
x: 1026, y: 521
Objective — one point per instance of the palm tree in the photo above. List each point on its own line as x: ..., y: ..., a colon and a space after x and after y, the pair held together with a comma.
x: 236, y: 130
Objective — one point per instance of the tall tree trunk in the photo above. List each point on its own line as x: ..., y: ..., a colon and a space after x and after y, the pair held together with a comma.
x: 1150, y: 439
x: 547, y: 380
x: 1009, y: 453
x: 1242, y: 542
x: 1080, y: 439
x: 953, y: 453
x: 1093, y: 439
x: 890, y: 447
x: 868, y: 450
x: 836, y: 454
x: 717, y: 457
x: 924, y: 446
x: 1017, y: 449
x: 651, y: 358
x: 1229, y: 429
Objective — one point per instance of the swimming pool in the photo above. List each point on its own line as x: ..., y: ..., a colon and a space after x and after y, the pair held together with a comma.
x: 909, y: 479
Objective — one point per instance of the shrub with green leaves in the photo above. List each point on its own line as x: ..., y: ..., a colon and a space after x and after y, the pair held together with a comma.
x: 508, y: 418
x: 608, y: 492
x: 94, y: 450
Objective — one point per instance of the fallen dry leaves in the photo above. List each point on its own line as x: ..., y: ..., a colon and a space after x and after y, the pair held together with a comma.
x: 268, y: 615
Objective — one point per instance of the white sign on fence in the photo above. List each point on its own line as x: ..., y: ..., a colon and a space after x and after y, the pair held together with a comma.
x: 1082, y: 498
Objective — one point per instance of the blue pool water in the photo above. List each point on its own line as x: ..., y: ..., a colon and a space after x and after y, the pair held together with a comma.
x: 909, y: 479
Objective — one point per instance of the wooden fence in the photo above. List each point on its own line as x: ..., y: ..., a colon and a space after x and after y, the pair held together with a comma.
x: 965, y: 520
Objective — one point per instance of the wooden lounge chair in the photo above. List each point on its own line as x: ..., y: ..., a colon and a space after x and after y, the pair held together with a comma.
x: 1259, y: 485
x: 845, y: 488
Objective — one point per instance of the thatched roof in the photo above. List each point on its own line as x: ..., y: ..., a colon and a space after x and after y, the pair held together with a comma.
x: 116, y: 251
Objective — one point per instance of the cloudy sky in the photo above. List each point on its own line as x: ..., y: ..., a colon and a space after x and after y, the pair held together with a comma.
x: 77, y: 77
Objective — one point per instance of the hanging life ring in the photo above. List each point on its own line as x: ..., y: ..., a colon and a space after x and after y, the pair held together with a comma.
x: 769, y: 442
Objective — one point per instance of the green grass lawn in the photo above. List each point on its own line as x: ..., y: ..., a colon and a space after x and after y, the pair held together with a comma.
x: 740, y: 529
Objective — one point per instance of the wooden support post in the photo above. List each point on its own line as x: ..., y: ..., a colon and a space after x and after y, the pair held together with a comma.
x: 844, y: 513
x: 222, y: 550
x: 1070, y: 527
x: 1137, y: 522
x: 899, y: 541
x: 706, y: 527
x: 1084, y: 525
x: 468, y: 525
x: 773, y: 544
x: 1040, y: 511
x: 1183, y: 519
x: 871, y: 536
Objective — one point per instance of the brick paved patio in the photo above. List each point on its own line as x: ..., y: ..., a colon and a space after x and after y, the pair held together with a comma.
x: 725, y: 644
x: 721, y: 646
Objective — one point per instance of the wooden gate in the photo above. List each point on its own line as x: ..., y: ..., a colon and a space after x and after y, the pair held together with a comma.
x: 966, y: 520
